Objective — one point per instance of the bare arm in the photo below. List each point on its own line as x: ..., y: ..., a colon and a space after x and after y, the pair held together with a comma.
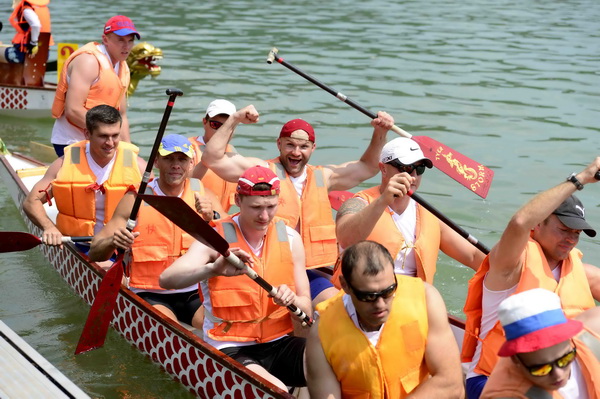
x: 83, y: 70
x: 458, y: 248
x: 33, y: 205
x: 591, y: 319
x: 441, y: 353
x: 228, y: 166
x: 350, y: 174
x: 320, y: 378
x: 506, y: 257
x: 303, y: 299
x: 114, y: 234
x: 356, y: 219
x: 199, y: 263
x: 125, y: 136
x: 593, y: 276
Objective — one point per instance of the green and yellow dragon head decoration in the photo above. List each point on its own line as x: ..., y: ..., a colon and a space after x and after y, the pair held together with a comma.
x: 142, y: 62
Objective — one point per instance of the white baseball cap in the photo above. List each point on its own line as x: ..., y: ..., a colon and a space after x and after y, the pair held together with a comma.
x: 405, y: 150
x: 220, y: 106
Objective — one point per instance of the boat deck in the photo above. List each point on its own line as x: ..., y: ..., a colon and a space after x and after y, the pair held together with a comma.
x: 24, y: 373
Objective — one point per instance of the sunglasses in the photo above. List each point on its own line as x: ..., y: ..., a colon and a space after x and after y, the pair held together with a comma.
x: 374, y: 296
x: 214, y: 124
x: 541, y: 370
x: 402, y: 168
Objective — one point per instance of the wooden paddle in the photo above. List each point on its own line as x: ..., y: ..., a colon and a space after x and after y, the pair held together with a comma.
x: 13, y: 241
x: 337, y: 198
x: 189, y: 221
x: 461, y: 168
x: 101, y: 313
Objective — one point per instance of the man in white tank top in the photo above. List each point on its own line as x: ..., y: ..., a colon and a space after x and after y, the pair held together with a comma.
x: 536, y: 245
x: 104, y: 134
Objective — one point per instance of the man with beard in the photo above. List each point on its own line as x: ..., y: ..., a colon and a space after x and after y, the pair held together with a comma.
x: 156, y: 242
x: 304, y: 202
x: 88, y: 182
x: 536, y: 250
x: 387, y: 336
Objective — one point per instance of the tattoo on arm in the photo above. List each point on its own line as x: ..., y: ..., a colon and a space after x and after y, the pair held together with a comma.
x: 353, y: 205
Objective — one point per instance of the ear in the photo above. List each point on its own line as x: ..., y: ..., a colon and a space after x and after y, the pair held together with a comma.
x: 237, y: 199
x: 279, y: 144
x: 382, y: 168
x: 104, y: 39
x: 87, y: 134
x: 344, y: 284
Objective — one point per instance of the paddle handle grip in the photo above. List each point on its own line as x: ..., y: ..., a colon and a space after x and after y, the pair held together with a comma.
x: 597, y: 175
x: 465, y: 234
x: 77, y: 239
x: 237, y: 262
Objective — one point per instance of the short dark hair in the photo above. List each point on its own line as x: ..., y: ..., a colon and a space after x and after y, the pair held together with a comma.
x: 258, y: 187
x: 104, y: 114
x: 375, y: 256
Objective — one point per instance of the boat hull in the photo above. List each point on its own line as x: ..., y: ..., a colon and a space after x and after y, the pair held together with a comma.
x: 27, y: 102
x: 205, y: 371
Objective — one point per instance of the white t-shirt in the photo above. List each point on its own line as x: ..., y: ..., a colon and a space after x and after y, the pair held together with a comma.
x: 64, y: 133
x: 576, y: 387
x: 102, y: 174
x: 372, y: 336
x: 208, y: 324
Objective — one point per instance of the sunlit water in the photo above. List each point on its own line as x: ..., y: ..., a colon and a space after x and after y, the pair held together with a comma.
x: 513, y: 85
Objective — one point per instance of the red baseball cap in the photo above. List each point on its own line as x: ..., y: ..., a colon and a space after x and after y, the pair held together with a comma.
x: 290, y: 130
x: 255, y: 175
x: 120, y: 25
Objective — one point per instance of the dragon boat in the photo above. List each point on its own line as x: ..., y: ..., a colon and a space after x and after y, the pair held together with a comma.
x: 25, y: 92
x: 178, y: 349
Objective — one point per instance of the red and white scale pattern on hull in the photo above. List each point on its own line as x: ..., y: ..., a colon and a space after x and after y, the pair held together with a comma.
x: 11, y: 98
x: 199, y: 372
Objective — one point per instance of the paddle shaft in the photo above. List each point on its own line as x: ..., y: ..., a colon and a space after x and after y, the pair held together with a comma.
x: 465, y: 234
x: 13, y: 241
x: 96, y: 325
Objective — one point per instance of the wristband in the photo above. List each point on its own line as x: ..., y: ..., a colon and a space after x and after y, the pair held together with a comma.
x: 573, y: 179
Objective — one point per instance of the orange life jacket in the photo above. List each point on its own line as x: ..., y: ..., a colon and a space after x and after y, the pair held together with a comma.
x: 242, y: 310
x: 74, y: 193
x: 224, y: 190
x: 573, y: 290
x: 108, y: 89
x: 385, y: 232
x: 507, y: 381
x: 312, y: 210
x: 160, y: 241
x: 17, y: 20
x: 393, y: 368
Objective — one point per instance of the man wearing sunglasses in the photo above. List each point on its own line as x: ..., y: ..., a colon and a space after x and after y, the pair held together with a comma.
x: 386, y: 336
x: 536, y: 250
x: 545, y: 354
x: 386, y: 214
x: 217, y: 113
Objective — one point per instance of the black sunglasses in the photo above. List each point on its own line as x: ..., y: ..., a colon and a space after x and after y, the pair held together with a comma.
x: 402, y: 168
x: 373, y: 296
x: 540, y: 370
x: 214, y: 124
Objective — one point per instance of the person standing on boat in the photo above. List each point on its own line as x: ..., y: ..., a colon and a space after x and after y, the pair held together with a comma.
x: 29, y: 18
x: 546, y: 355
x: 94, y: 74
x: 241, y: 320
x: 217, y: 113
x: 304, y: 202
x: 536, y: 250
x: 388, y: 215
x: 156, y: 242
x: 88, y: 182
x: 387, y: 336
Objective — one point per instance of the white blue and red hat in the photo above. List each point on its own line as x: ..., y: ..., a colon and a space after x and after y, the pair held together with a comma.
x: 534, y: 320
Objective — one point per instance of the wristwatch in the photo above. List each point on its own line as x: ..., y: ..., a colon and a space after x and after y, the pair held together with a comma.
x: 573, y: 179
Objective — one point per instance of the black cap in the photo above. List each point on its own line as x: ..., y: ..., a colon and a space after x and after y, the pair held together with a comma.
x: 572, y: 214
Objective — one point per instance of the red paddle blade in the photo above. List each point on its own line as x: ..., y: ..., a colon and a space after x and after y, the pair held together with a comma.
x: 96, y: 326
x: 337, y: 198
x: 461, y: 168
x: 13, y: 241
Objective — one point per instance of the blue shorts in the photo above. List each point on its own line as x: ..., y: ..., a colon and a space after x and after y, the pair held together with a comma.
x: 474, y: 386
x: 13, y: 55
x: 59, y: 149
x: 318, y: 283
